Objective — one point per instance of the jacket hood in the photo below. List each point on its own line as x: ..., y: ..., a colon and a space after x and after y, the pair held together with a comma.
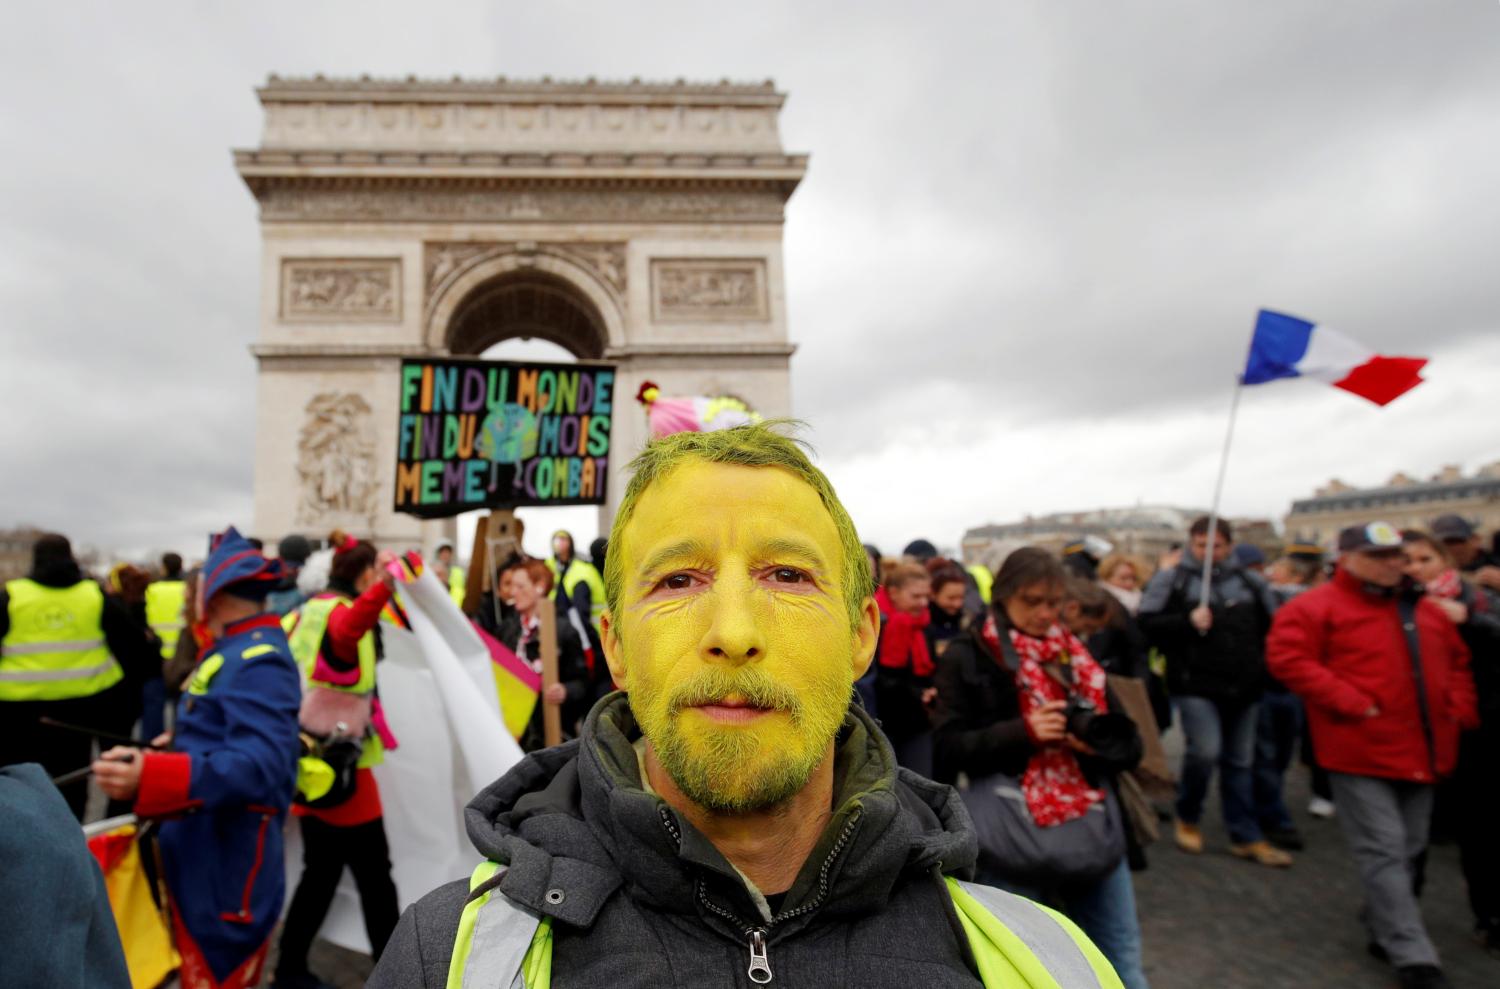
x: 56, y: 573
x: 576, y: 821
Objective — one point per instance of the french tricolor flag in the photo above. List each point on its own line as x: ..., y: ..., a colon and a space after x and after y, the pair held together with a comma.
x: 1288, y: 347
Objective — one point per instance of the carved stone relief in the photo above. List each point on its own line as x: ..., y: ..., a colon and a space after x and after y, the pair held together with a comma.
x: 355, y: 290
x: 500, y: 204
x: 336, y: 460
x: 446, y: 261
x: 709, y: 290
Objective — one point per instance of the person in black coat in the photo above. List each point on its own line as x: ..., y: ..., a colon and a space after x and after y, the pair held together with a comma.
x: 980, y: 731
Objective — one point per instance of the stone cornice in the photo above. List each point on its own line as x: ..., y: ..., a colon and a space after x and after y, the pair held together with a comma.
x: 644, y: 166
x: 698, y: 349
x: 275, y: 350
x: 519, y: 199
x: 366, y: 89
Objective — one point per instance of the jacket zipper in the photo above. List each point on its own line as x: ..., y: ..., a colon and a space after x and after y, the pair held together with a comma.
x: 755, y: 937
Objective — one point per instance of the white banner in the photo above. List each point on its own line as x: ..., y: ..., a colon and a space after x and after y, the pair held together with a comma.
x: 439, y: 699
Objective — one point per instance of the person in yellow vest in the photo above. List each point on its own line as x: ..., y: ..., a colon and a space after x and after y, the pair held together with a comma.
x: 456, y: 577
x: 576, y: 579
x: 335, y: 638
x: 70, y: 655
x: 729, y: 815
x: 166, y: 601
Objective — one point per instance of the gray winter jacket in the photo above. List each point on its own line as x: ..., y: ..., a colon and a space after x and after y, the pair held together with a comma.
x: 639, y: 897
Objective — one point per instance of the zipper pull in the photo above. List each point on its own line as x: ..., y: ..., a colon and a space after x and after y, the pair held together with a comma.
x: 760, y: 964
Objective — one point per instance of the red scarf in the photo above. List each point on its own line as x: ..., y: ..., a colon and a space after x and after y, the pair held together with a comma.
x: 903, y: 643
x: 1447, y: 585
x: 1054, y: 785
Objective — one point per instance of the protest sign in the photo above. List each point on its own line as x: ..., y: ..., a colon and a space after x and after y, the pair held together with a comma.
x: 485, y: 434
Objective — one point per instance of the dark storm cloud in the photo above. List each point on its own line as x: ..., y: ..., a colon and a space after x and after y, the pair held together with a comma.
x: 1026, y: 211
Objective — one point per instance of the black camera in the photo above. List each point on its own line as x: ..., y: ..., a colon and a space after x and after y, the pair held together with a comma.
x: 1079, y: 715
x: 1111, y: 735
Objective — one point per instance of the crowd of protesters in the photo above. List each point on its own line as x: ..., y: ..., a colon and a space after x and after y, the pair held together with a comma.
x: 1041, y: 689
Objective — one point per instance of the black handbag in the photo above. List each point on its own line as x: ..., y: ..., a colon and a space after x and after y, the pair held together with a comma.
x: 1014, y: 845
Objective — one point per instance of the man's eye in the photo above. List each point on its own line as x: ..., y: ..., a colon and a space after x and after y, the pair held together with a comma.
x: 678, y: 582
x: 788, y: 575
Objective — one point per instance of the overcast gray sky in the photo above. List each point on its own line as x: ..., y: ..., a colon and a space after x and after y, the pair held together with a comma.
x: 1022, y: 270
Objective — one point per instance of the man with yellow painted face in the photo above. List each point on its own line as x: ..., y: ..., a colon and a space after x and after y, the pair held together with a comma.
x: 729, y: 816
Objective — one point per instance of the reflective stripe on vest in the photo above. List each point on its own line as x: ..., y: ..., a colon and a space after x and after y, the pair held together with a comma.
x: 54, y: 648
x: 164, y: 606
x: 1020, y: 943
x: 1017, y: 944
x: 499, y: 942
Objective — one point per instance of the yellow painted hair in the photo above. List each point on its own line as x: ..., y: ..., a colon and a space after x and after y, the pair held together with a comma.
x: 762, y: 444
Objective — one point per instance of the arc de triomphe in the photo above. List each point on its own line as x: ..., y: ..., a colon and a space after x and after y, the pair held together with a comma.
x: 634, y: 222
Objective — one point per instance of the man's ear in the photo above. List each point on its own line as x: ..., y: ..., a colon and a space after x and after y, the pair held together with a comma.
x: 613, y: 654
x: 866, y: 636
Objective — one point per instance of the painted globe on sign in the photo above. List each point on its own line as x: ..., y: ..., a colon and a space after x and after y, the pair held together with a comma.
x: 509, y: 435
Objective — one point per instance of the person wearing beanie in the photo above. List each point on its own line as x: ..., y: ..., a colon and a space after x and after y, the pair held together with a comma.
x: 293, y: 552
x: 222, y: 782
x: 68, y: 653
x: 920, y: 550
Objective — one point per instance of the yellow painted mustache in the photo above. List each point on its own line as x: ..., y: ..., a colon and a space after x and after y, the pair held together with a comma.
x: 751, y: 686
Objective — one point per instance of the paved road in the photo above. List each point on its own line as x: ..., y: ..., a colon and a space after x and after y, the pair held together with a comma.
x: 1215, y: 922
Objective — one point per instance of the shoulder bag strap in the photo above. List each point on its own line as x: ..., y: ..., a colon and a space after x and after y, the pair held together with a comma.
x: 1406, y: 607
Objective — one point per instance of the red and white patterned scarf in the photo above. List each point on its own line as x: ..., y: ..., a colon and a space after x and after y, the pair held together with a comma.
x: 1448, y: 584
x: 1054, y: 785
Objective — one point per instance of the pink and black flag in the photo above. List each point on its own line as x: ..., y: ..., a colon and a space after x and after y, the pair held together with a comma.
x: 1288, y: 347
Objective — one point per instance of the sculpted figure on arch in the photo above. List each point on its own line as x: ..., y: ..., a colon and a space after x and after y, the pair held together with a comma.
x: 730, y: 815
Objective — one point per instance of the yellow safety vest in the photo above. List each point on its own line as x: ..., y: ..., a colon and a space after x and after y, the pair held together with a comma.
x: 577, y: 573
x: 984, y: 578
x: 305, y: 629
x: 1017, y: 944
x: 165, y: 600
x: 54, y: 649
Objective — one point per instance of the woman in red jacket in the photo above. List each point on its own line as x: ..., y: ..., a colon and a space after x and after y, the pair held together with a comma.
x: 335, y: 638
x: 903, y: 680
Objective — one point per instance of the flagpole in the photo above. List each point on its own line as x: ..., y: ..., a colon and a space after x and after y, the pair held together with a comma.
x: 1213, y: 515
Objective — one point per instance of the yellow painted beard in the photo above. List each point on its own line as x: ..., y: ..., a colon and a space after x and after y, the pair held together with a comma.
x: 734, y: 768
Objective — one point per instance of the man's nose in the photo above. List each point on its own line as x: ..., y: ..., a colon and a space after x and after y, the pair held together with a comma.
x: 734, y: 635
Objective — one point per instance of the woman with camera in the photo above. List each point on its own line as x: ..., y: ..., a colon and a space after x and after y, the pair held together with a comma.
x: 1026, y: 714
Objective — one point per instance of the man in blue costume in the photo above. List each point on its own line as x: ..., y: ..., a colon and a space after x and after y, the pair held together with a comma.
x: 225, y: 782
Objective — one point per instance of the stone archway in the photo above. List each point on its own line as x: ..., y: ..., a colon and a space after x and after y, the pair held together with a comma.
x: 482, y: 293
x: 637, y: 223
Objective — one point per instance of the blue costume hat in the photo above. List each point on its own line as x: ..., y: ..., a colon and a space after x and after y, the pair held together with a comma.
x: 234, y: 565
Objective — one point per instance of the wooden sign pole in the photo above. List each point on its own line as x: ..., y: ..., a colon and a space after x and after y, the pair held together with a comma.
x: 479, y: 571
x: 551, y: 713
